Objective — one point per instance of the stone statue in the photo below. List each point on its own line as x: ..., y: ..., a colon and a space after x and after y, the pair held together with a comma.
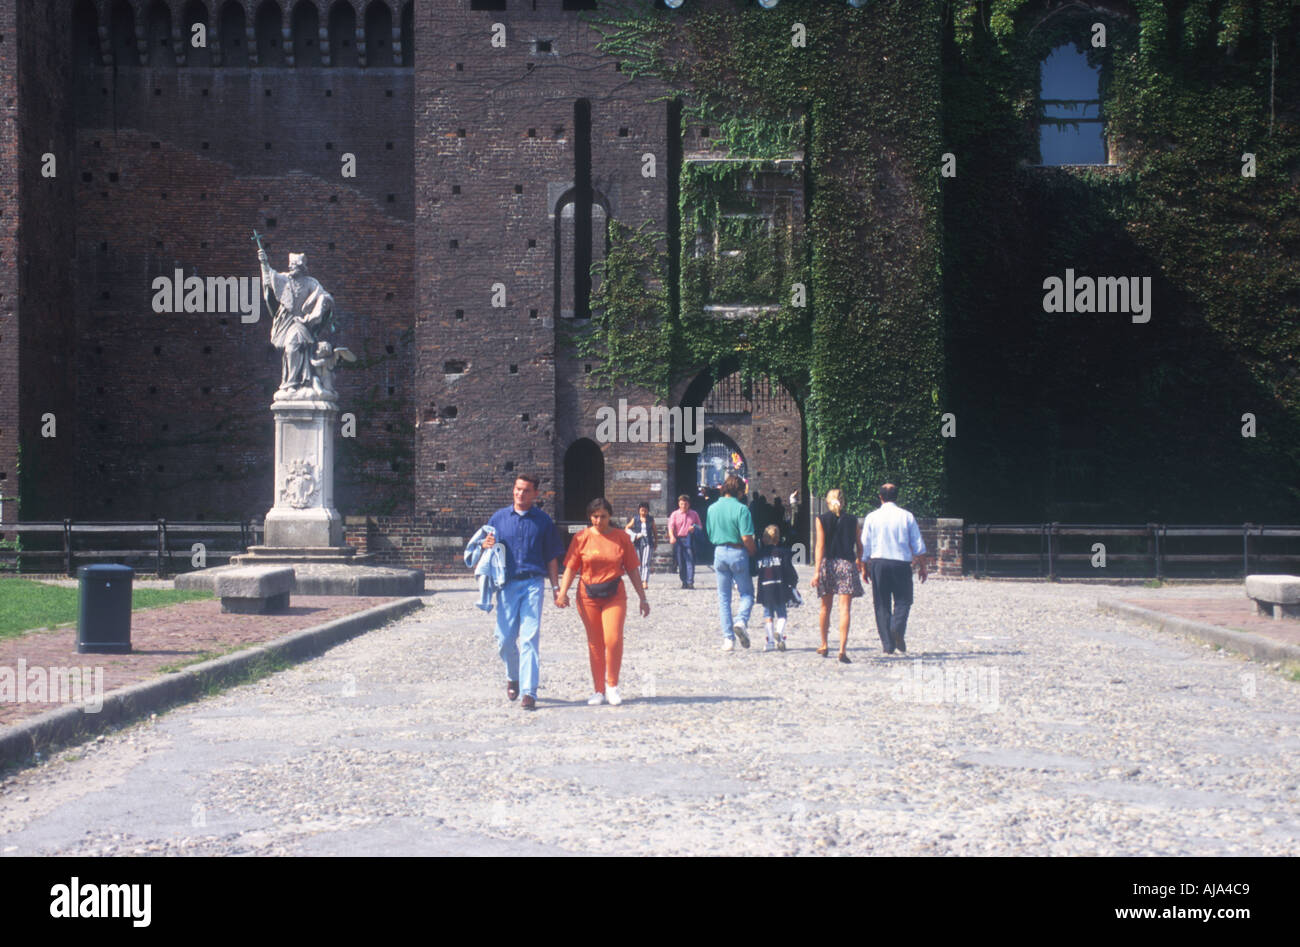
x: 323, y: 364
x: 304, y: 307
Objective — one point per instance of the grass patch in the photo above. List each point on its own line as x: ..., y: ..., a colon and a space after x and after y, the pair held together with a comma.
x: 1153, y: 584
x: 26, y: 605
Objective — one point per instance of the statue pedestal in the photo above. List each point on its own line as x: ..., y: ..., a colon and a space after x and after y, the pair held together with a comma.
x: 304, y: 514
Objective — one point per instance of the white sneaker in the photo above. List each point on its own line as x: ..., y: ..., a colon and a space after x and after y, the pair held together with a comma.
x: 596, y: 699
x: 728, y: 644
x: 611, y: 695
x: 769, y: 645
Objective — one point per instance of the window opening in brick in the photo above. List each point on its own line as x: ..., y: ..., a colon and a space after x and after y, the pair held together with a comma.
x: 266, y: 30
x: 1070, y: 126
x: 487, y: 4
x: 160, y: 35
x: 582, y: 210
x: 196, y: 12
x: 379, y: 34
x: 342, y: 31
x: 304, y: 31
x: 408, y: 34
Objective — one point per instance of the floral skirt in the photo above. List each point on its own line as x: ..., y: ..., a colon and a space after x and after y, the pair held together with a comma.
x: 839, y: 577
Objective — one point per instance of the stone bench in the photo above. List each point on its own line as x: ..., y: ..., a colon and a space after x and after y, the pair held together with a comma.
x: 254, y: 590
x: 1275, y: 595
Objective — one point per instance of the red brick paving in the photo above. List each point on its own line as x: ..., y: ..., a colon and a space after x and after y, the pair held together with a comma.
x: 1226, y: 613
x: 168, y: 635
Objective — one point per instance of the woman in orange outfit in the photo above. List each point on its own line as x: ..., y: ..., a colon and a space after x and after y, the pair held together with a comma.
x: 601, y: 555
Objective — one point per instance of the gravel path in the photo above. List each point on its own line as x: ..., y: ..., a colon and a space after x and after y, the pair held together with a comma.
x: 1023, y: 722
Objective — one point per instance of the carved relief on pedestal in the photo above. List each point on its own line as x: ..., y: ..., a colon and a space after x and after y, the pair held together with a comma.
x: 301, y: 485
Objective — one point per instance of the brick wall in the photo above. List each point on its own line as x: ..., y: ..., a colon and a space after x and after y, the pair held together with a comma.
x: 493, y: 189
x: 47, y: 225
x: 175, y: 166
x: 9, y: 336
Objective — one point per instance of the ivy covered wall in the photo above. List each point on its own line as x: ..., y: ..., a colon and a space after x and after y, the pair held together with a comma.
x: 926, y: 293
x: 858, y: 94
x: 1089, y: 416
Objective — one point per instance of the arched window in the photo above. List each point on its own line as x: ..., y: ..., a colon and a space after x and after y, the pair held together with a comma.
x: 85, y: 36
x: 306, y: 34
x: 125, y: 54
x: 267, y: 27
x: 584, y: 477
x: 233, y: 52
x: 196, y: 12
x: 1070, y: 129
x: 159, y: 32
x: 379, y: 34
x: 408, y: 34
x: 343, y: 34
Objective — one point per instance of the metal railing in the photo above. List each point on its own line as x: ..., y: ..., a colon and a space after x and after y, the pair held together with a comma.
x: 1151, y: 550
x: 163, y: 541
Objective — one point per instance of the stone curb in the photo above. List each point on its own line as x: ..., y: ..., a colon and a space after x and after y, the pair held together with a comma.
x: 66, y: 724
x: 1253, y: 646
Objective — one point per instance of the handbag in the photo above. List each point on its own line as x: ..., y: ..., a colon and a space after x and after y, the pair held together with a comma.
x: 601, y: 589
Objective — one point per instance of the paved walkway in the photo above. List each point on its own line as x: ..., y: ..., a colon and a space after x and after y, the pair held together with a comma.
x: 1022, y: 722
x: 1228, y: 607
x: 160, y: 638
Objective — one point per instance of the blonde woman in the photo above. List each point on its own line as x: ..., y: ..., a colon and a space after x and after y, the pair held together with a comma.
x: 835, y: 571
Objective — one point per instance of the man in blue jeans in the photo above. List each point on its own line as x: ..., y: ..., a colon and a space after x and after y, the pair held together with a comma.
x: 731, y: 530
x: 533, y: 551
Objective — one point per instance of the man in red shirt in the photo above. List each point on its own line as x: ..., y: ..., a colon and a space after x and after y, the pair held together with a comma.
x: 681, y: 528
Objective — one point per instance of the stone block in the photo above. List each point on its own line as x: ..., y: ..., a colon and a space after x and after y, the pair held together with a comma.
x: 1276, y: 589
x: 254, y: 590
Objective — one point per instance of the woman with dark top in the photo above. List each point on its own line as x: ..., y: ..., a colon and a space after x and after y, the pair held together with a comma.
x: 601, y: 555
x: 835, y: 570
x: 641, y: 528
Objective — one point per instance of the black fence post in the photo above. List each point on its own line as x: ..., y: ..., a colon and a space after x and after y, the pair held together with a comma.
x: 1051, y: 552
x: 67, y: 546
x: 162, y: 548
x: 1245, y: 550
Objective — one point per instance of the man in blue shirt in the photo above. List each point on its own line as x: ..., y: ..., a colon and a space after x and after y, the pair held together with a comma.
x: 533, y: 551
x: 891, y: 543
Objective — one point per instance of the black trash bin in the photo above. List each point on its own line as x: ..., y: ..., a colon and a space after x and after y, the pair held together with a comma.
x: 104, y: 614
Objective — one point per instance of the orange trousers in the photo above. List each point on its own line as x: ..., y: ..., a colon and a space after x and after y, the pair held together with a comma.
x: 603, y: 618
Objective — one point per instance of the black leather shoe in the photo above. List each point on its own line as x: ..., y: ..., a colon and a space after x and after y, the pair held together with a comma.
x: 529, y: 702
x: 512, y: 689
x: 901, y: 645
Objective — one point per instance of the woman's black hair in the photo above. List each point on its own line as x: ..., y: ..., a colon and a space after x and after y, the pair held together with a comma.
x: 600, y: 503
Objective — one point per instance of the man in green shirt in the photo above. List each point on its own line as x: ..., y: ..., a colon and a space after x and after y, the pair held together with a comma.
x: 731, y: 530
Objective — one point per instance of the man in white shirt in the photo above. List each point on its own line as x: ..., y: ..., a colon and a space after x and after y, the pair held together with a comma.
x: 891, y: 543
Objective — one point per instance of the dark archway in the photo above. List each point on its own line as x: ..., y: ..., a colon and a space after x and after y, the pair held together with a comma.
x: 408, y: 34
x: 305, y: 30
x: 85, y: 36
x: 584, y: 477
x: 379, y: 34
x: 158, y: 31
x: 233, y: 51
x: 761, y: 420
x: 196, y: 11
x: 122, y: 28
x: 267, y: 27
x: 343, y: 34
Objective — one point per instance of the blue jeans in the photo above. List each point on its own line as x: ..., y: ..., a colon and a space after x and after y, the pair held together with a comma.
x: 685, y: 555
x: 732, y: 565
x: 519, y: 627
